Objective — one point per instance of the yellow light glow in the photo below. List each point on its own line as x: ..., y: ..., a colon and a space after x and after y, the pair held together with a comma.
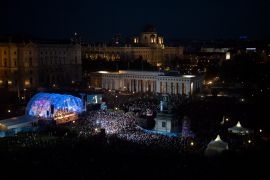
x: 249, y: 141
x: 188, y: 75
x: 227, y: 119
x: 192, y: 143
x: 260, y: 130
x: 8, y: 110
x: 103, y: 72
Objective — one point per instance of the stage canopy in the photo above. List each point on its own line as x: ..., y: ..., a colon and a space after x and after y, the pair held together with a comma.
x: 239, y: 129
x: 42, y: 102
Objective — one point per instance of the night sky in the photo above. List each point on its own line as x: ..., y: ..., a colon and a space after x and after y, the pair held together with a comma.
x: 99, y: 20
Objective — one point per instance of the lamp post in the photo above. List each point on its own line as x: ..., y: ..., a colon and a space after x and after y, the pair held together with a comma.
x: 24, y: 94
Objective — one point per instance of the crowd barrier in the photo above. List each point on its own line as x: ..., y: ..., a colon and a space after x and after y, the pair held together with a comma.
x: 12, y: 132
x: 168, y: 134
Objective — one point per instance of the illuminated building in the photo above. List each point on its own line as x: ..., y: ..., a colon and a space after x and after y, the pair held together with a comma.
x: 40, y: 63
x: 147, y: 81
x: 149, y: 45
x: 64, y: 106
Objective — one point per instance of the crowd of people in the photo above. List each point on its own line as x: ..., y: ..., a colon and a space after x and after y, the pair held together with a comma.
x: 128, y: 152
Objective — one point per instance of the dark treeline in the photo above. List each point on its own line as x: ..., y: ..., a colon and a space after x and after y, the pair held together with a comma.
x: 99, y: 64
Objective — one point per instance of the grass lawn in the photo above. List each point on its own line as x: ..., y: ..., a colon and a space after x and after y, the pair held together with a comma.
x: 17, y: 146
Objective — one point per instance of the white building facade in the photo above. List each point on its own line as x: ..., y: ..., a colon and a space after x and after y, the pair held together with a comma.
x: 147, y: 81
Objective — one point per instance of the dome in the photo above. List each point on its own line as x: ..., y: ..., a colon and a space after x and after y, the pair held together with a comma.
x: 149, y: 28
x: 41, y: 103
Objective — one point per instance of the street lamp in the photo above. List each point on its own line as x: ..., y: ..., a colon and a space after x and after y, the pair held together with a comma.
x: 191, y: 143
x: 249, y: 141
x: 24, y: 94
x: 227, y: 119
x: 260, y: 130
x: 8, y: 110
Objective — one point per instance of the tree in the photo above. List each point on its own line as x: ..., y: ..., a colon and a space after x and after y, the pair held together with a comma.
x: 140, y: 63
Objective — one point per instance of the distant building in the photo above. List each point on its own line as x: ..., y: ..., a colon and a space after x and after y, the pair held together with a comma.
x: 147, y: 81
x: 117, y: 38
x: 203, y: 58
x: 39, y: 64
x: 149, y: 45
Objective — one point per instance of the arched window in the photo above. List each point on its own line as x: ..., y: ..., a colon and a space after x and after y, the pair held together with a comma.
x: 48, y: 79
x: 30, y: 62
x: 53, y: 79
x: 5, y: 62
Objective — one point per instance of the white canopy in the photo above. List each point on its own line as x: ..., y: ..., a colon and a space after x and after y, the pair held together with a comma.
x: 239, y: 129
x: 217, y: 145
x: 16, y: 122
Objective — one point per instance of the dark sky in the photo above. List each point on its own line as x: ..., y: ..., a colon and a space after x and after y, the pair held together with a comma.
x: 99, y: 20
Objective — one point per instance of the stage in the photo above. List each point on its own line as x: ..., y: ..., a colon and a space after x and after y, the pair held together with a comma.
x: 62, y: 119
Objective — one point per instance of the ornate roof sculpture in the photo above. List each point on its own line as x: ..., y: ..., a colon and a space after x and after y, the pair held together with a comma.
x: 149, y: 28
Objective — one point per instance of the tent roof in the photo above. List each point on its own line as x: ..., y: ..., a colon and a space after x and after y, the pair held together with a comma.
x: 218, y: 143
x: 18, y: 120
x: 239, y: 128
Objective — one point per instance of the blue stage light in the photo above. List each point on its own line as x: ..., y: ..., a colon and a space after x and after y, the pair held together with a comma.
x: 40, y: 104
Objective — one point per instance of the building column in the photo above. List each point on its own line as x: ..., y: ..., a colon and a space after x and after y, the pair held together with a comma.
x: 129, y: 83
x: 144, y: 85
x: 180, y: 88
x: 188, y: 88
x: 136, y: 85
x: 156, y: 86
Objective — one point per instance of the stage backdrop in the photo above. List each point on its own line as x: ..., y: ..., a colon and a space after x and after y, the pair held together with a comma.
x: 94, y: 98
